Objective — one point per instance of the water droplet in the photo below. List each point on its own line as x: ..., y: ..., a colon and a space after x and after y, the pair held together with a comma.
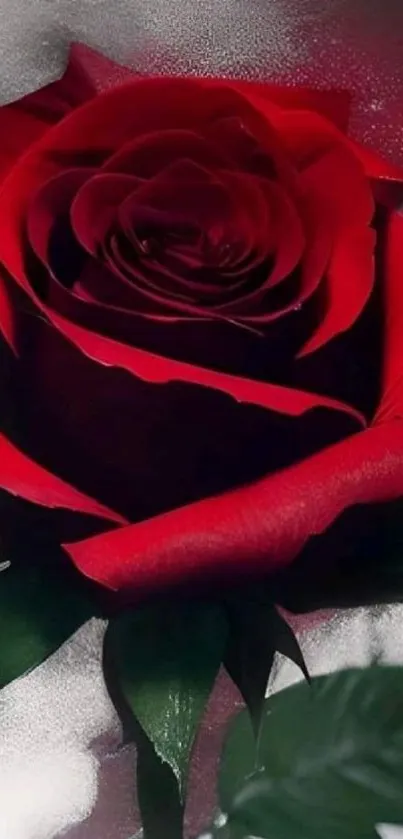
x: 145, y: 246
x: 220, y: 819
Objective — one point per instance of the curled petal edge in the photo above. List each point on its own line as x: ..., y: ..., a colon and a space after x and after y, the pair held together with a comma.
x: 23, y: 477
x: 254, y: 529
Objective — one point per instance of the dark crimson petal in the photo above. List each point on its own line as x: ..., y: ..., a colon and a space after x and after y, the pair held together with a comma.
x: 349, y: 367
x: 328, y: 186
x: 229, y: 209
x: 306, y: 135
x: 152, y: 298
x: 53, y: 242
x: 53, y: 200
x: 221, y: 344
x: 225, y: 345
x: 107, y: 122
x: 142, y: 448
x: 157, y: 369
x: 147, y: 155
x: 104, y: 125
x: 391, y: 405
x: 243, y: 148
x: 349, y: 283
x: 7, y: 316
x: 185, y: 194
x: 288, y: 241
x: 182, y: 267
x: 253, y: 146
x: 100, y: 300
x: 253, y: 529
x: 96, y: 284
x: 188, y: 192
x: 340, y: 204
x: 334, y: 105
x: 289, y: 234
x: 319, y: 237
x: 253, y: 228
x: 95, y: 207
x: 337, y: 184
x: 21, y: 476
x: 165, y: 277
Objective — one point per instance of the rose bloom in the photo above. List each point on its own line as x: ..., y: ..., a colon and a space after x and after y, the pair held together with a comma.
x: 201, y: 291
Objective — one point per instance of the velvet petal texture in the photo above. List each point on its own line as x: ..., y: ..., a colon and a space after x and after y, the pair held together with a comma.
x: 254, y: 529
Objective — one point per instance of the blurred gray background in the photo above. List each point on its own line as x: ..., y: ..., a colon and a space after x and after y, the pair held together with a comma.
x: 62, y: 767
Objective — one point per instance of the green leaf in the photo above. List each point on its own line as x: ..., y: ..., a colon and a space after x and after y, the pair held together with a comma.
x: 166, y: 660
x: 38, y: 612
x: 160, y: 804
x: 256, y: 632
x: 330, y: 760
x: 286, y: 643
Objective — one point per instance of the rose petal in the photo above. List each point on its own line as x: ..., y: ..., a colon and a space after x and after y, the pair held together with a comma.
x: 228, y: 208
x: 21, y: 476
x: 257, y: 528
x: 146, y: 277
x: 336, y: 183
x: 96, y: 284
x: 152, y: 447
x: 391, y: 405
x: 106, y: 123
x: 103, y: 126
x: 172, y: 278
x: 187, y: 191
x: 184, y: 194
x: 375, y: 166
x: 243, y: 148
x: 54, y: 205
x: 95, y: 207
x: 323, y: 215
x: 334, y: 105
x: 252, y: 234
x: 289, y: 235
x: 285, y: 237
x: 7, y: 316
x: 349, y: 283
x: 146, y: 156
x: 319, y: 243
x: 54, y: 199
x: 107, y: 127
x: 153, y: 368
x: 306, y: 135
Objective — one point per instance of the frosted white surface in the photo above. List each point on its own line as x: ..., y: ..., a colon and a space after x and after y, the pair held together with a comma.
x: 60, y: 762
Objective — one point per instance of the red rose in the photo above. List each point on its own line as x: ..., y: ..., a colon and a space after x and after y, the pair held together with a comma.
x: 205, y: 342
